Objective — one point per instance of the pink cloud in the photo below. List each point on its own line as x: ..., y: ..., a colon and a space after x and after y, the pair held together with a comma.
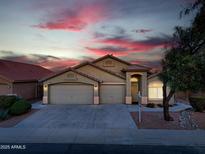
x: 75, y: 20
x: 133, y: 46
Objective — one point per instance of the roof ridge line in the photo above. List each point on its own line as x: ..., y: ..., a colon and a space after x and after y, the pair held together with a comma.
x: 23, y: 63
x: 111, y: 56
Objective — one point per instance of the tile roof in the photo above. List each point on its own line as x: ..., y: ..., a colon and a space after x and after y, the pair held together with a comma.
x: 136, y: 67
x: 21, y: 72
x: 153, y: 75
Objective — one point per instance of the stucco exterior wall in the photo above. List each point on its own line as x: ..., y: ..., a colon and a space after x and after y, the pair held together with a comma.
x: 5, y: 87
x: 99, y: 74
x: 158, y: 101
x: 117, y: 67
x: 26, y: 90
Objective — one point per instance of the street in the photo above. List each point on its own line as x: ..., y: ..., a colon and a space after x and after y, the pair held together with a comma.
x: 32, y: 148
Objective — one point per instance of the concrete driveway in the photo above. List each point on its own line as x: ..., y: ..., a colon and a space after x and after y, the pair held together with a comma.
x: 80, y: 117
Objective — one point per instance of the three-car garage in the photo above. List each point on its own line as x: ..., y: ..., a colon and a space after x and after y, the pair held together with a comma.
x: 74, y: 87
x: 72, y: 93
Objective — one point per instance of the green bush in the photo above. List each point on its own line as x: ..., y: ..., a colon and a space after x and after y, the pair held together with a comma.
x: 7, y: 101
x: 150, y: 105
x: 3, y: 114
x: 20, y: 107
x: 198, y: 103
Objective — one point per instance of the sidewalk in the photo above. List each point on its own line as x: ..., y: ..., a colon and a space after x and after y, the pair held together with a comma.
x: 103, y: 136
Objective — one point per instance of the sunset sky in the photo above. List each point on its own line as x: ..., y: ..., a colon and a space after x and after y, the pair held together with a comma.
x: 59, y: 33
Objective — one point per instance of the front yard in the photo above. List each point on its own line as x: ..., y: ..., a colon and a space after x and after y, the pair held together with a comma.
x: 12, y: 110
x: 12, y: 121
x: 183, y: 120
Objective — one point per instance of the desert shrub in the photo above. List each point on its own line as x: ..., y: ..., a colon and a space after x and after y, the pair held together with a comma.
x: 7, y: 101
x: 150, y: 105
x: 198, y: 103
x: 160, y: 105
x: 4, y: 114
x: 20, y: 107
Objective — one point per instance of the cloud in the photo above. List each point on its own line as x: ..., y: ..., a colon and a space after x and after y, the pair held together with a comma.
x: 75, y: 19
x: 143, y: 31
x: 153, y: 64
x: 47, y: 61
x: 131, y: 45
x: 114, y: 29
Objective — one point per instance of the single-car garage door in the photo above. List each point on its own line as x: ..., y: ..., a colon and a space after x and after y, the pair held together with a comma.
x: 71, y: 94
x: 112, y: 94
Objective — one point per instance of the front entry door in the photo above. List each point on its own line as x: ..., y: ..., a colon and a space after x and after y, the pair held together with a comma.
x: 134, y: 91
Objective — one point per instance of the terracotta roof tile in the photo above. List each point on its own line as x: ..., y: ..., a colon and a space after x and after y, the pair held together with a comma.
x: 136, y: 67
x: 17, y: 72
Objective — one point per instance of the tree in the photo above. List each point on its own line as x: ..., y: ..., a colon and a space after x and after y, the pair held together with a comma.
x: 183, y: 65
x: 180, y: 72
x: 197, y: 29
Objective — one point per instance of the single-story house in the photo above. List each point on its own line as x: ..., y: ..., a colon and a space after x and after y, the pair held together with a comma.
x: 21, y: 79
x: 106, y: 80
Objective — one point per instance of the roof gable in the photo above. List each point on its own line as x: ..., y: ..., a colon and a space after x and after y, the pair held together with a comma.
x: 112, y: 57
x: 97, y: 67
x: 69, y: 70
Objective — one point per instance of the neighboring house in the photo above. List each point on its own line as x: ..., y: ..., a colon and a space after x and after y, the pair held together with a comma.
x: 106, y: 80
x: 21, y: 79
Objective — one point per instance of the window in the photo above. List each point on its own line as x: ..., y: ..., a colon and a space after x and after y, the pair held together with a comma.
x: 155, y: 90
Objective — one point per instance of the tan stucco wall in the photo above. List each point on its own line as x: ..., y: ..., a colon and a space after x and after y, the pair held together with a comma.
x: 118, y: 66
x: 156, y: 79
x: 5, y: 87
x: 64, y: 79
x: 26, y: 90
x: 99, y: 74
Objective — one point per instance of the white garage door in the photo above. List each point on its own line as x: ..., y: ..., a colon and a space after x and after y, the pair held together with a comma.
x: 71, y: 94
x: 4, y: 89
x: 112, y: 94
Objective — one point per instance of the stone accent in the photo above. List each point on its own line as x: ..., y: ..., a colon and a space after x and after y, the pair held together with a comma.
x: 144, y: 100
x: 96, y: 100
x: 128, y: 100
x: 45, y: 100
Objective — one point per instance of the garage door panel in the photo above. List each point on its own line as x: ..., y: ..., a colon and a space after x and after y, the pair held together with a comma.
x: 112, y: 94
x: 71, y: 94
x: 4, y: 89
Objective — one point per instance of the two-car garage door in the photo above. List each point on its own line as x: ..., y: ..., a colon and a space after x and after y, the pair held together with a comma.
x: 71, y: 94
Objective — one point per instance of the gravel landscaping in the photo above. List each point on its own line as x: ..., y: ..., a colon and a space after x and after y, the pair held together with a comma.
x: 184, y: 120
